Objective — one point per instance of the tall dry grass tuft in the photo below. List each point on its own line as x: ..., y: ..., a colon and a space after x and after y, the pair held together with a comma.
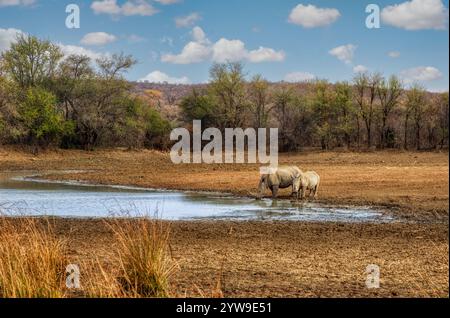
x: 32, y: 259
x: 144, y: 257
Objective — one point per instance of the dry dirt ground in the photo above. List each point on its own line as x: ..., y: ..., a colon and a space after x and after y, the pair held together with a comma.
x: 289, y: 259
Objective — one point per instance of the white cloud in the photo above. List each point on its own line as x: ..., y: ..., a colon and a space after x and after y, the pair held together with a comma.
x: 420, y: 74
x: 7, y: 37
x: 417, y: 15
x: 160, y: 77
x: 10, y: 3
x: 167, y: 2
x: 187, y: 21
x: 198, y: 35
x: 264, y: 54
x: 224, y: 50
x: 394, y: 54
x: 129, y: 8
x: 193, y: 52
x: 98, y: 38
x: 299, y: 77
x: 344, y: 53
x: 79, y: 50
x: 360, y: 69
x: 310, y: 16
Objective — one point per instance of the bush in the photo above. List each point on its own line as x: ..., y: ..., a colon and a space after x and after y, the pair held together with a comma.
x: 40, y: 119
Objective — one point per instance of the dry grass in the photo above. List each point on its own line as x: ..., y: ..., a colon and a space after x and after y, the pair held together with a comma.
x: 142, y: 254
x: 32, y: 260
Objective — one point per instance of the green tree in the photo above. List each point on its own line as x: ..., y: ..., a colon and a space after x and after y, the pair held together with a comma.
x: 325, y: 113
x: 346, y: 112
x: 40, y: 118
x: 199, y: 107
x: 227, y: 88
x: 31, y: 61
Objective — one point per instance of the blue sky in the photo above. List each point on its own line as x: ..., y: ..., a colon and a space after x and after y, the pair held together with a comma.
x: 178, y: 40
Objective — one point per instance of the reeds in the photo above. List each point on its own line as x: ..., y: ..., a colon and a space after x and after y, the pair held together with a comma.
x: 32, y: 259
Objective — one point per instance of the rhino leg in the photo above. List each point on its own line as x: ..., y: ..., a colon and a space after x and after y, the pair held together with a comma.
x: 316, y: 196
x: 274, y: 191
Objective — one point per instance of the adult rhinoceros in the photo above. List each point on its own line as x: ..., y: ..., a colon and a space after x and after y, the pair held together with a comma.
x: 280, y: 178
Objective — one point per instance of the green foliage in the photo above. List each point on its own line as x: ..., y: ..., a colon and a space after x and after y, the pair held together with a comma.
x: 198, y: 107
x: 227, y: 90
x: 41, y: 120
x: 31, y: 61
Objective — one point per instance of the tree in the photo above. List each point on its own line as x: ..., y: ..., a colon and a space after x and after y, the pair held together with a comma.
x: 199, y: 107
x: 260, y: 99
x: 95, y: 101
x: 325, y: 113
x: 389, y: 93
x: 41, y: 120
x: 365, y: 86
x: 443, y: 118
x: 31, y: 61
x: 295, y: 118
x: 415, y: 107
x: 342, y: 102
x: 227, y: 87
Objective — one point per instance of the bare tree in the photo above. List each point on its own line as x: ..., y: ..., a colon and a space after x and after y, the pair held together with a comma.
x: 365, y: 86
x: 389, y: 93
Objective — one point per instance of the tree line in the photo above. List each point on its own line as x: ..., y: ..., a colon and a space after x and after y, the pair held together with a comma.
x: 51, y: 99
x: 370, y: 112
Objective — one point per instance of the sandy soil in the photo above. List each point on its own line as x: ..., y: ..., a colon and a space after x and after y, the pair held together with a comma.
x: 275, y: 259
x: 289, y: 259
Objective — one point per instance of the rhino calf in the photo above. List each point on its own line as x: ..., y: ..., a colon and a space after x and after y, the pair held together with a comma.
x: 309, y: 180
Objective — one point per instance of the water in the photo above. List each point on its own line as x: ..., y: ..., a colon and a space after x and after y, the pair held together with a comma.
x: 24, y: 196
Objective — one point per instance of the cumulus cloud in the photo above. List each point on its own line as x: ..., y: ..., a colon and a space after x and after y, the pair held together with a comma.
x: 160, y: 77
x: 310, y: 16
x: 394, y: 54
x: 420, y: 74
x: 10, y: 3
x: 193, y: 52
x: 296, y: 77
x: 224, y: 50
x: 360, y: 69
x: 129, y: 8
x: 7, y: 37
x: 187, y: 21
x: 79, y: 50
x: 417, y: 15
x: 264, y: 54
x: 344, y: 53
x: 198, y: 35
x: 98, y: 38
x: 198, y: 50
